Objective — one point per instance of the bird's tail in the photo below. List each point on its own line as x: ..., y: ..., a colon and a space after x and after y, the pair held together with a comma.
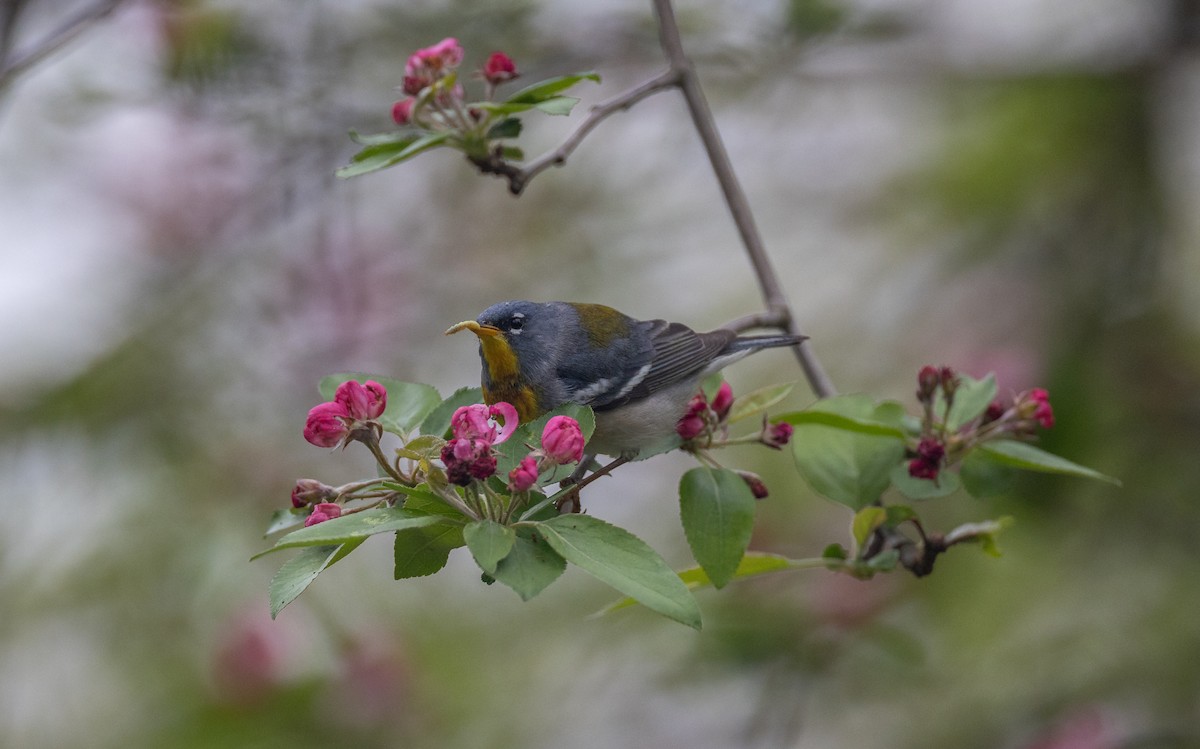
x: 756, y: 342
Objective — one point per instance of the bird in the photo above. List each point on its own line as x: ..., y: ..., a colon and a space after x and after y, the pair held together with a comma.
x: 638, y: 376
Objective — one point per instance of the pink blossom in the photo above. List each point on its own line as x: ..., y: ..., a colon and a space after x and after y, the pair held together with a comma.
x: 362, y: 402
x: 326, y: 424
x: 777, y: 435
x: 499, y: 68
x: 693, y: 423
x: 1044, y: 414
x: 928, y: 462
x: 478, y: 422
x: 322, y: 512
x: 524, y: 477
x: 562, y: 440
x: 508, y: 420
x: 402, y: 111
x: 438, y: 59
x: 468, y: 458
x: 722, y: 401
x: 927, y: 381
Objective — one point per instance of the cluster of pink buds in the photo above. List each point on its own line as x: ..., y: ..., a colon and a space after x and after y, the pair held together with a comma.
x: 353, y: 408
x: 430, y: 78
x: 1029, y: 412
x: 704, y: 419
x: 562, y: 443
x: 477, y: 428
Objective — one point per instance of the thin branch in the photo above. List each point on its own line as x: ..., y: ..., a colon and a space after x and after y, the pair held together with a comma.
x: 519, y: 178
x: 55, y: 40
x: 779, y: 312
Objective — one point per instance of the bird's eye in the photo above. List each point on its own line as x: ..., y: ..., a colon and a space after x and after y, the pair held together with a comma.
x: 516, y: 323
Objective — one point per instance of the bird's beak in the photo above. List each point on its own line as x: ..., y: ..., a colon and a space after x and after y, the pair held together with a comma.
x: 474, y: 327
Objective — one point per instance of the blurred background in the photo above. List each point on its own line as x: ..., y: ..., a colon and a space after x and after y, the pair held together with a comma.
x: 1008, y: 186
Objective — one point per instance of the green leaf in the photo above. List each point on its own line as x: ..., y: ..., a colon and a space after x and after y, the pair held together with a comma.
x: 549, y: 88
x: 844, y: 449
x: 530, y: 566
x: 717, y: 510
x: 753, y: 564
x: 508, y: 128
x: 297, y: 573
x: 489, y: 542
x: 382, y: 155
x: 1030, y: 458
x: 865, y: 522
x: 437, y: 422
x: 983, y: 534
x: 970, y: 400
x: 835, y: 551
x: 620, y: 559
x: 423, y: 551
x: 983, y: 477
x: 559, y: 106
x: 915, y: 488
x: 422, y: 499
x: 841, y: 421
x: 408, y: 403
x: 759, y: 400
x: 512, y: 153
x: 711, y: 384
x: 354, y: 527
x: 378, y: 139
x: 286, y: 518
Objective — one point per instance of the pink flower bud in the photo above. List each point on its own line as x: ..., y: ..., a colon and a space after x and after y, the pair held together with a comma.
x: 499, y: 68
x: 993, y: 412
x: 326, y: 425
x: 562, y: 440
x: 322, y: 512
x: 929, y: 459
x: 1044, y: 414
x: 927, y: 381
x: 524, y: 477
x: 722, y: 401
x: 1041, y: 395
x: 777, y: 435
x: 757, y: 487
x: 310, y: 491
x: 362, y: 402
x: 690, y: 427
x: 920, y: 469
x: 949, y: 380
x: 402, y: 111
x: 414, y: 84
x: 438, y: 59
x: 483, y: 467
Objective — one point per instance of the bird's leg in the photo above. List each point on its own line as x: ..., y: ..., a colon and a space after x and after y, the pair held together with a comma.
x: 586, y: 463
x: 570, y: 502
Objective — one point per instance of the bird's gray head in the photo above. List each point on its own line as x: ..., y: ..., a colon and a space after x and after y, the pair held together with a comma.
x: 524, y: 333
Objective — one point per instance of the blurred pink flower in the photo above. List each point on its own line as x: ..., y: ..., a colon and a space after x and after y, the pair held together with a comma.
x: 402, y: 111
x: 722, y: 401
x: 499, y: 68
x: 322, y: 512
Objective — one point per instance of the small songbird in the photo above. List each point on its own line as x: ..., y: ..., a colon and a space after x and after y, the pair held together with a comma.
x: 637, y: 375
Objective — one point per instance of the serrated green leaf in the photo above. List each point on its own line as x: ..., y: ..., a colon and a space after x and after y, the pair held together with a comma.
x: 970, y: 400
x: 381, y: 156
x: 1030, y: 458
x: 507, y: 128
x: 489, y: 542
x: 354, y: 527
x: 914, y: 488
x: 408, y: 403
x: 437, y: 422
x: 759, y: 400
x: 617, y: 557
x: 549, y: 88
x: 865, y: 522
x: 419, y: 552
x: 717, y: 511
x: 531, y: 565
x: 296, y: 574
x: 844, y: 450
x: 423, y: 499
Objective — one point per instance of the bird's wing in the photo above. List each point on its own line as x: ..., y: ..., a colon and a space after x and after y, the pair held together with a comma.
x: 680, y: 352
